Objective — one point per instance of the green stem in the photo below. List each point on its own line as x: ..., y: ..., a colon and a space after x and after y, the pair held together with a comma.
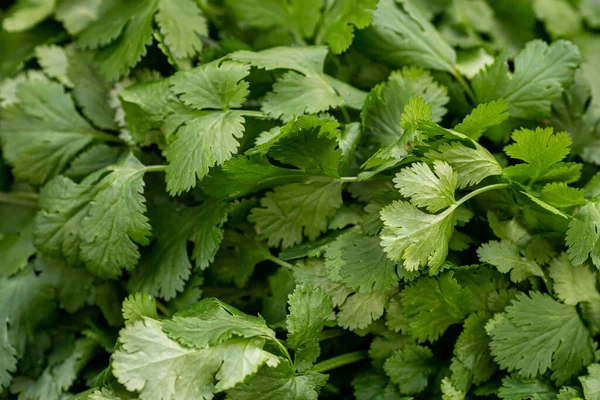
x: 155, y: 168
x: 479, y: 191
x: 345, y: 114
x: 349, y: 179
x: 19, y: 199
x: 284, y: 350
x: 254, y: 114
x: 339, y: 361
x: 105, y: 137
x: 163, y: 309
x: 280, y: 262
x: 331, y: 333
x: 465, y: 85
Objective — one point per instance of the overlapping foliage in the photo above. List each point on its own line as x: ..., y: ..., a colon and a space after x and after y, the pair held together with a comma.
x: 300, y: 199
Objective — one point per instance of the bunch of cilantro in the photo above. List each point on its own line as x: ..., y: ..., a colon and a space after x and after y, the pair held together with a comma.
x: 299, y: 199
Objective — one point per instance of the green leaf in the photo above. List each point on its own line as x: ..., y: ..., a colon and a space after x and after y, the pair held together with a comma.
x: 385, y: 103
x: 414, y: 237
x: 521, y: 389
x: 280, y: 383
x: 216, y: 85
x: 558, y: 194
x: 313, y: 271
x: 358, y: 261
x: 427, y: 188
x: 472, y: 347
x: 542, y: 151
x: 164, y: 270
x: 560, y: 17
x: 339, y: 21
x: 73, y: 286
x: 410, y: 368
x: 482, y: 118
x: 211, y: 322
x: 541, y: 72
x: 572, y: 284
x: 124, y: 31
x: 97, y: 223
x: 506, y: 257
x: 299, y: 17
x: 76, y: 15
x: 25, y: 14
x: 360, y: 310
x: 305, y: 89
x: 182, y: 24
x: 431, y: 305
x: 310, y: 308
x: 583, y: 235
x: 591, y: 382
x: 295, y: 210
x: 529, y: 338
x: 54, y: 62
x: 43, y: 132
x: 400, y: 35
x: 26, y: 304
x: 203, y: 142
x: 374, y: 386
x: 471, y: 165
x: 138, y: 306
x: 55, y: 380
x: 150, y: 362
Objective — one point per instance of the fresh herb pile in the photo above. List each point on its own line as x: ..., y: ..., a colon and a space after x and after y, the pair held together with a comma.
x: 300, y: 199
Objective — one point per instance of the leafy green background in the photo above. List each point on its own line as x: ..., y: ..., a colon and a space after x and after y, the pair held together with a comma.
x: 299, y: 199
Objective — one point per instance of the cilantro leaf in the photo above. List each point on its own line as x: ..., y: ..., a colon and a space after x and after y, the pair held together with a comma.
x: 25, y: 14
x: 97, y: 223
x: 400, y: 35
x: 415, y: 237
x: 573, y: 284
x: 482, y: 118
x: 295, y: 210
x: 148, y: 361
x: 591, y: 382
x: 505, y: 256
x: 280, y: 383
x: 528, y: 338
x: 139, y: 306
x: 534, y: 85
x: 472, y: 347
x: 386, y: 102
x: 359, y: 310
x: 582, y: 235
x: 310, y: 308
x: 304, y: 89
x: 472, y: 165
x: 410, y: 368
x: 43, y: 132
x: 358, y: 261
x: 339, y: 21
x: 163, y: 271
x: 211, y: 136
x: 124, y: 32
x: 542, y: 151
x: 431, y: 305
x: 433, y: 190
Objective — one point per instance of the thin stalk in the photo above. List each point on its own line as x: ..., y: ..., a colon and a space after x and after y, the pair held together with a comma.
x: 105, y: 137
x: 349, y: 179
x: 280, y: 262
x: 17, y: 200
x: 283, y: 350
x: 345, y: 114
x: 155, y: 168
x: 253, y: 114
x: 479, y: 191
x: 331, y: 334
x: 339, y: 361
x: 163, y: 309
x: 464, y: 84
